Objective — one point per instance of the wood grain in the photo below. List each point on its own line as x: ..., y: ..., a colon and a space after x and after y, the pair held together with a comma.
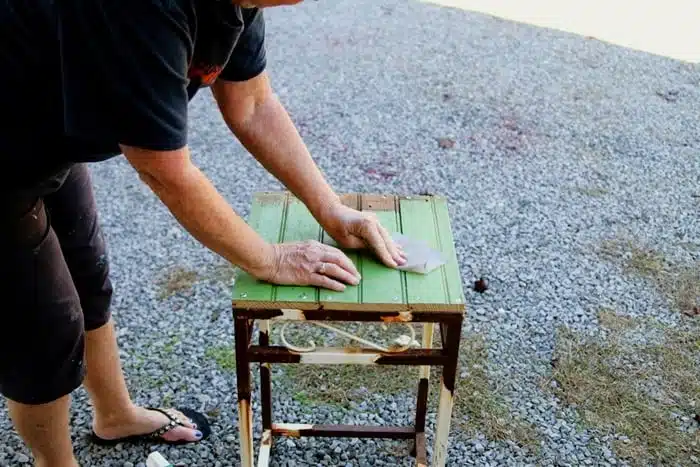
x: 277, y: 216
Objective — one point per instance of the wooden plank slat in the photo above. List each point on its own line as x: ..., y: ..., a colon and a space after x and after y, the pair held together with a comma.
x: 267, y: 217
x: 382, y: 287
x: 300, y: 225
x: 418, y: 222
x: 281, y: 217
x: 453, y: 277
x: 352, y: 294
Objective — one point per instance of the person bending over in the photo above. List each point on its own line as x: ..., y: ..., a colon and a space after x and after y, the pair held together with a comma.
x: 85, y: 81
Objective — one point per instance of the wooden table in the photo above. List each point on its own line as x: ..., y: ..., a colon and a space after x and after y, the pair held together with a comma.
x: 383, y: 295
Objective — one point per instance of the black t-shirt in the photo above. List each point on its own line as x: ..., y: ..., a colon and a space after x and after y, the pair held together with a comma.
x: 80, y: 77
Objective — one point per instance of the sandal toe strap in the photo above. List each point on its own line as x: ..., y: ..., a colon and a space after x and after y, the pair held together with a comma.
x: 174, y: 420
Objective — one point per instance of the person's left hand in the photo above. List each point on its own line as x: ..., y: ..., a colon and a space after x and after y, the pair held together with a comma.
x: 354, y: 229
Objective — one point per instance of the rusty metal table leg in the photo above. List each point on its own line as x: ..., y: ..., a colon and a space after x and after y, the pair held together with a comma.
x: 242, y: 329
x: 265, y: 398
x: 451, y: 339
x: 266, y: 354
x: 422, y: 399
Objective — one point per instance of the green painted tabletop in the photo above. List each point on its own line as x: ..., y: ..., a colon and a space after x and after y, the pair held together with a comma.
x: 280, y: 217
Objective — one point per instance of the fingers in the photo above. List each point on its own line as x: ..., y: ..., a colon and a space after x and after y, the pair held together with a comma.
x: 394, y: 250
x: 334, y: 257
x: 377, y: 242
x: 319, y: 280
x: 334, y: 271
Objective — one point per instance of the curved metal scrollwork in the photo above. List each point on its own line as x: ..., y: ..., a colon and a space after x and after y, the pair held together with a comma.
x: 402, y: 343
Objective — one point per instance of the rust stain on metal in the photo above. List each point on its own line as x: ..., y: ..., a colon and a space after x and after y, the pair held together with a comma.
x: 421, y: 455
x: 289, y: 433
x: 291, y: 430
x: 422, y: 404
x: 266, y: 438
x: 401, y: 317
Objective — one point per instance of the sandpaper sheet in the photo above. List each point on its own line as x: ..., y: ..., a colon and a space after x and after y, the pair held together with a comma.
x: 420, y: 257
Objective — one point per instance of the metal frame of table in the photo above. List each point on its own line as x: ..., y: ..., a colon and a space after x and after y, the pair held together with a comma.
x: 450, y: 323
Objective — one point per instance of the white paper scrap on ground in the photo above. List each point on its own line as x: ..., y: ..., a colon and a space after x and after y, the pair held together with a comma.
x: 420, y: 257
x: 156, y: 459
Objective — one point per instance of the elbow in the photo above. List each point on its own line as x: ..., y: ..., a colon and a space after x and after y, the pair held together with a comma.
x: 244, y: 104
x: 162, y: 171
x: 242, y: 116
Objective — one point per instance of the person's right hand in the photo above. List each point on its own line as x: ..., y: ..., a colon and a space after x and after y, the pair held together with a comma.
x: 310, y: 263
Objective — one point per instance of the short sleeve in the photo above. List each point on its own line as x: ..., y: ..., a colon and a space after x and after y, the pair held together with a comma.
x: 124, y: 71
x: 248, y: 58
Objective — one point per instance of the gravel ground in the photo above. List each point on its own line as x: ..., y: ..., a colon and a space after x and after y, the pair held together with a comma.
x: 560, y: 143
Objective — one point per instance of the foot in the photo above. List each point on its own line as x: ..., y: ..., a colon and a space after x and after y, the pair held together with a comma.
x: 141, y: 421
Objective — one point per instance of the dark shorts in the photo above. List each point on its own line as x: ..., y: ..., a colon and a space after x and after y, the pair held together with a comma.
x: 54, y: 286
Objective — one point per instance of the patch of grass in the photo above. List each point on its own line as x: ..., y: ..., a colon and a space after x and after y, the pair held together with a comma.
x: 680, y: 284
x: 224, y: 356
x: 593, y: 191
x: 213, y: 412
x: 167, y: 400
x: 686, y: 289
x: 176, y: 280
x: 340, y: 385
x: 637, y: 391
x: 609, y: 319
x: 225, y: 273
x: 479, y: 408
x: 170, y: 345
x: 636, y: 259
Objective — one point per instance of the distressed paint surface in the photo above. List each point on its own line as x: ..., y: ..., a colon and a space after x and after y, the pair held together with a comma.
x: 246, y: 432
x: 442, y: 428
x: 267, y: 217
x: 427, y: 343
x: 265, y: 448
x: 351, y: 294
x: 300, y: 225
x: 338, y: 358
x: 281, y: 217
x: 296, y: 430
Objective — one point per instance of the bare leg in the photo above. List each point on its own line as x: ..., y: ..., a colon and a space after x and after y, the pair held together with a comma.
x: 116, y: 415
x: 45, y: 430
x: 74, y: 218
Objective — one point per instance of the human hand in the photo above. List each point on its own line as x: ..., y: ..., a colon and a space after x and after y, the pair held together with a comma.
x: 359, y: 229
x: 310, y: 263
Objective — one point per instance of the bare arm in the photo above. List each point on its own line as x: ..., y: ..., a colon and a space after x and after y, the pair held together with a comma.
x: 261, y: 123
x: 196, y: 204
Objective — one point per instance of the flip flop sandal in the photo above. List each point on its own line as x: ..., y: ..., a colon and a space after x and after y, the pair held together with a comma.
x: 156, y: 436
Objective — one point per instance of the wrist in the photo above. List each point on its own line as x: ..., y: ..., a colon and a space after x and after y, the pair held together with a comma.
x: 263, y: 266
x: 325, y: 208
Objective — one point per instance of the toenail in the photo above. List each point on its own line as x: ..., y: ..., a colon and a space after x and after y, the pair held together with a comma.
x: 197, y: 434
x: 194, y: 425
